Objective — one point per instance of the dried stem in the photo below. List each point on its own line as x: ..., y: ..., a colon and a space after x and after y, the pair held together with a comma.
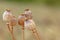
x: 36, y: 34
x: 8, y: 27
x: 12, y: 34
x: 23, y: 36
x: 11, y: 31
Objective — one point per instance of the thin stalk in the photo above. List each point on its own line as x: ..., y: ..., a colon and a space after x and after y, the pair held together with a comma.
x: 11, y: 31
x: 23, y: 36
x: 36, y: 34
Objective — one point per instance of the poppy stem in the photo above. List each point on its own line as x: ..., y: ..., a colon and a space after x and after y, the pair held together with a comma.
x: 11, y: 31
x: 23, y: 36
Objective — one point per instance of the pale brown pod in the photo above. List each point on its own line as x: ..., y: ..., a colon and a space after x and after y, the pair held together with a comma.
x: 13, y: 21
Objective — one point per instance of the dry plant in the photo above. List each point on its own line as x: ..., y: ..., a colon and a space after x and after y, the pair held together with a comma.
x: 10, y: 21
x: 10, y: 25
x: 21, y: 23
x: 31, y: 26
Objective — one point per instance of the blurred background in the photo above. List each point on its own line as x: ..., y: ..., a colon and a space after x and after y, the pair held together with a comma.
x: 46, y: 14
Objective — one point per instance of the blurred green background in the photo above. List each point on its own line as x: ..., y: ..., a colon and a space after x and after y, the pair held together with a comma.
x: 46, y: 14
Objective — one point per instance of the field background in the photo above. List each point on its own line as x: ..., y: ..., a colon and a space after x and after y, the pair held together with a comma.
x: 46, y: 14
